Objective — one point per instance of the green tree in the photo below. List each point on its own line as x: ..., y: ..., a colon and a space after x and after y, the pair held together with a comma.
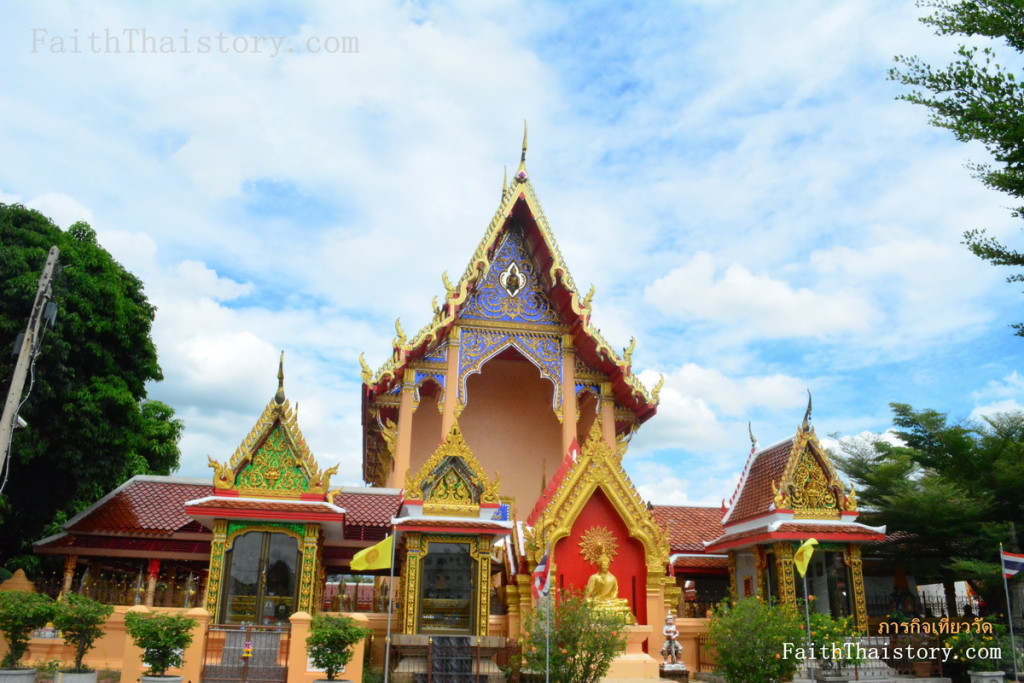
x: 90, y: 426
x: 978, y: 99
x: 950, y: 490
x: 583, y: 641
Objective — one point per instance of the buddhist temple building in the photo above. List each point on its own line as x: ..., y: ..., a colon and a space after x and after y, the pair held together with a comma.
x: 493, y: 435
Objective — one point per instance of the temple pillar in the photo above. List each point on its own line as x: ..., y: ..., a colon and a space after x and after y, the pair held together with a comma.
x: 451, y: 383
x: 403, y: 442
x: 410, y: 581
x: 762, y: 572
x: 568, y: 393
x: 70, y: 562
x: 655, y: 595
x: 216, y: 574
x: 784, y: 572
x: 734, y: 590
x: 512, y: 610
x: 308, y: 572
x: 607, y: 414
x: 154, y: 571
x: 860, y: 607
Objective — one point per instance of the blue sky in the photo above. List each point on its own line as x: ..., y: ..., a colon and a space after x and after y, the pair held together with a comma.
x: 736, y: 178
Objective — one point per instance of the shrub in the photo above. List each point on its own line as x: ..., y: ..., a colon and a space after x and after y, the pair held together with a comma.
x: 330, y: 640
x: 829, y: 637
x: 81, y: 620
x: 975, y: 648
x: 749, y: 639
x: 584, y: 639
x: 162, y: 638
x: 21, y: 613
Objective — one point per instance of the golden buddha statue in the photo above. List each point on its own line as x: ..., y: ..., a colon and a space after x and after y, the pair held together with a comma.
x: 603, y: 590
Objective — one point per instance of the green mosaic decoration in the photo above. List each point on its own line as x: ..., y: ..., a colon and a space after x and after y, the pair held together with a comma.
x: 274, y: 467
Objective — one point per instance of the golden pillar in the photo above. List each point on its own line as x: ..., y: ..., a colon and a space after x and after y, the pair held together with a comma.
x: 568, y: 393
x: 307, y: 577
x: 607, y: 414
x: 784, y: 572
x: 216, y: 575
x: 856, y: 564
x: 410, y: 581
x: 451, y: 383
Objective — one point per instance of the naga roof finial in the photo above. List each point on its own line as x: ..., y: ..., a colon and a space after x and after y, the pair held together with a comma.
x: 504, y: 183
x: 521, y: 173
x: 806, y: 426
x: 279, y: 396
x: 753, y: 439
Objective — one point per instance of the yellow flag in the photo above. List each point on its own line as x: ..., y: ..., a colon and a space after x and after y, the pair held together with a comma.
x: 802, y: 557
x: 375, y: 557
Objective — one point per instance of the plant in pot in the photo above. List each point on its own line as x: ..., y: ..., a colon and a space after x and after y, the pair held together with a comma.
x: 21, y: 612
x: 80, y: 620
x: 163, y: 639
x: 330, y: 640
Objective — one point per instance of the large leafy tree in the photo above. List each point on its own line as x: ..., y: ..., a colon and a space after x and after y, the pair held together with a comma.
x: 90, y: 426
x: 978, y: 99
x: 950, y: 492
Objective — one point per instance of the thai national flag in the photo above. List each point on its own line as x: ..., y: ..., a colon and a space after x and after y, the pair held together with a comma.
x: 1012, y: 563
x: 541, y: 584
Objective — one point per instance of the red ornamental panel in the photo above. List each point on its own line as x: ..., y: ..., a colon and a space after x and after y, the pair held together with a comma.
x: 628, y: 565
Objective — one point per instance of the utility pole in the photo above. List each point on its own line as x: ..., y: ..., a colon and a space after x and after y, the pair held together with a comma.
x: 29, y: 347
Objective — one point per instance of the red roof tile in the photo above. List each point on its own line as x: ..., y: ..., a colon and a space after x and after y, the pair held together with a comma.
x: 754, y: 495
x: 144, y: 505
x: 368, y: 509
x: 701, y: 563
x: 689, y: 527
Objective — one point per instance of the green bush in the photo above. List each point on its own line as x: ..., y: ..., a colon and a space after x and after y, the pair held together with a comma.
x: 80, y: 620
x: 833, y: 635
x: 162, y: 638
x: 330, y: 640
x: 583, y: 642
x: 748, y: 638
x: 21, y: 613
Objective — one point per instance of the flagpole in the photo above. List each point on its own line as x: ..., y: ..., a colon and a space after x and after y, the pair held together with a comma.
x: 1009, y: 613
x: 807, y: 617
x: 391, y: 602
x: 547, y: 630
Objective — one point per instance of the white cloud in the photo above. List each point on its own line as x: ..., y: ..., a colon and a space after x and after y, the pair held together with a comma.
x: 764, y: 306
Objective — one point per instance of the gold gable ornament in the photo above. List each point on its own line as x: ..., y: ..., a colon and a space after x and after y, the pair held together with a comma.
x: 452, y: 482
x: 273, y: 460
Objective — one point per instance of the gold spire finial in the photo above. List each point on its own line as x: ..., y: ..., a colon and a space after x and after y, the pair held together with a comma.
x: 279, y: 396
x: 806, y: 426
x: 521, y: 173
x: 523, y: 158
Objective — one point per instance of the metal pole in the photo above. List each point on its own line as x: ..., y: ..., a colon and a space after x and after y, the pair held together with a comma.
x: 807, y: 616
x: 1009, y: 613
x: 29, y: 347
x: 391, y: 602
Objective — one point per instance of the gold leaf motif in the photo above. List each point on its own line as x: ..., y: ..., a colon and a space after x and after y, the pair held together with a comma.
x: 597, y: 541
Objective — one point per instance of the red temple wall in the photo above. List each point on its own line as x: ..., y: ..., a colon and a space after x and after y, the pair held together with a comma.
x: 629, y: 565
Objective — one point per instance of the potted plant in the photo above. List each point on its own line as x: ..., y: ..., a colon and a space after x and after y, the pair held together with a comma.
x: 163, y: 639
x: 330, y: 640
x: 21, y: 612
x: 80, y: 620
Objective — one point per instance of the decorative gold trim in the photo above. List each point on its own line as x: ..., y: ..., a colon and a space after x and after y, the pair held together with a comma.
x: 215, y: 577
x: 809, y: 484
x: 454, y: 446
x: 784, y: 572
x: 852, y: 558
x: 597, y: 541
x: 277, y: 412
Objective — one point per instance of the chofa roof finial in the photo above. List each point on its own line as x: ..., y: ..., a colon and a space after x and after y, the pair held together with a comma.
x: 279, y: 396
x: 521, y: 174
x: 806, y: 426
x: 753, y: 439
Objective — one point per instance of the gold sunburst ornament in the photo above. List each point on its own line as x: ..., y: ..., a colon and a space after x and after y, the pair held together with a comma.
x: 597, y: 541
